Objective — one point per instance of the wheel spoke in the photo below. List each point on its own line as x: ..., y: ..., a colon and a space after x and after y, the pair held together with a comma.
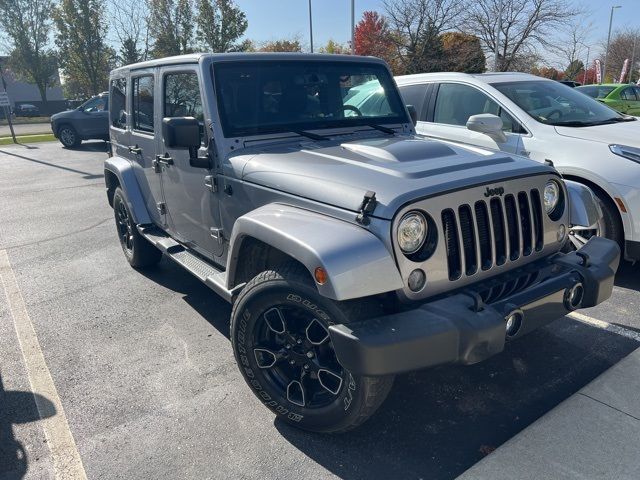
x: 295, y: 393
x: 316, y: 333
x: 330, y: 381
x: 275, y: 320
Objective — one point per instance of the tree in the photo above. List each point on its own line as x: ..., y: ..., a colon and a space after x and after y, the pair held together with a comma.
x: 373, y: 37
x: 526, y: 25
x: 571, y: 47
x: 621, y: 48
x: 574, y: 71
x: 170, y: 27
x: 220, y: 25
x: 129, y: 21
x: 417, y: 25
x: 27, y: 24
x: 462, y: 53
x: 548, y: 72
x: 84, y: 55
x: 334, y: 47
x: 281, y: 46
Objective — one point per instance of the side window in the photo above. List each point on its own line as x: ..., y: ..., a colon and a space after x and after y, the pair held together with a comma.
x: 118, y: 96
x: 415, y: 95
x: 628, y: 94
x: 456, y: 103
x: 142, y: 111
x: 637, y: 90
x: 182, y: 97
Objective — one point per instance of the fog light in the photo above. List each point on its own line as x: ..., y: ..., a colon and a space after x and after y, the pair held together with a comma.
x: 562, y: 232
x: 514, y: 322
x: 573, y: 296
x: 417, y: 279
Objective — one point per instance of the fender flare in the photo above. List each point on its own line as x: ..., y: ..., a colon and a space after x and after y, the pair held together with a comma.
x: 584, y: 209
x: 123, y: 170
x: 356, y: 261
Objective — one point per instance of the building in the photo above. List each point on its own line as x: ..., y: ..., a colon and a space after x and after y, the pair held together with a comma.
x: 22, y: 92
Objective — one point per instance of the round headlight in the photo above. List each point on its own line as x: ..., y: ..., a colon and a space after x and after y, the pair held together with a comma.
x: 551, y: 196
x: 412, y: 232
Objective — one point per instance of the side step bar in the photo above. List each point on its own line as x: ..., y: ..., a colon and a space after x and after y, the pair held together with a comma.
x: 211, y: 276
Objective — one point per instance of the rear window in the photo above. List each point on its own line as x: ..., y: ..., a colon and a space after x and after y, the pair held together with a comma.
x: 142, y: 113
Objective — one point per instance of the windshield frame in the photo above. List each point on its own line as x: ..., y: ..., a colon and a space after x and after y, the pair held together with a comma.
x: 384, y: 75
x: 614, y: 116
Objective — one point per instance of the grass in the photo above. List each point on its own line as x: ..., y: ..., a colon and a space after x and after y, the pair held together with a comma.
x: 25, y: 120
x: 28, y: 139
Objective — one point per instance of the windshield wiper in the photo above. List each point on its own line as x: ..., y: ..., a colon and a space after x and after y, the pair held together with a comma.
x: 310, y: 135
x: 381, y: 128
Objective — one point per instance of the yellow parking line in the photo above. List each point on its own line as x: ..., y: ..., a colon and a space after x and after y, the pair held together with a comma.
x: 66, y: 459
x: 605, y: 325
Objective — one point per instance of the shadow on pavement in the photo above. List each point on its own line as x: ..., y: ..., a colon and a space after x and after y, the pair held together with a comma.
x: 628, y: 276
x: 200, y: 297
x: 16, y: 408
x: 438, y: 423
x: 87, y: 147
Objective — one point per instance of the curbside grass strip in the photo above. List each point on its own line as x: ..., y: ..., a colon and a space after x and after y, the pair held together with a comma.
x: 47, y: 137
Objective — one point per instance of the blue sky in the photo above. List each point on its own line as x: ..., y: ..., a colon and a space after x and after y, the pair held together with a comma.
x: 273, y: 19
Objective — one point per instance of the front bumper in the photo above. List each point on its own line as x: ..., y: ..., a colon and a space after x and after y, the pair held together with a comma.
x: 462, y: 329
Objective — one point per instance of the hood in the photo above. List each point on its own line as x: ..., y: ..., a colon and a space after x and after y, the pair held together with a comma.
x: 398, y: 170
x: 627, y: 133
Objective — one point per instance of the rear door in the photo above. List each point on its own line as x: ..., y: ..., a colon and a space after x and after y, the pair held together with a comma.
x: 192, y: 205
x: 452, y: 106
x: 144, y: 140
x: 118, y: 128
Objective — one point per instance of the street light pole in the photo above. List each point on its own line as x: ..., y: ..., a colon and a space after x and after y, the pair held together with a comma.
x: 310, y: 27
x: 353, y: 27
x: 606, y: 52
x: 633, y: 57
x: 497, y: 50
x: 586, y: 67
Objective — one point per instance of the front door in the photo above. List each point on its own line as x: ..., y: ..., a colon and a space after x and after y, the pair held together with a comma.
x: 455, y: 103
x: 144, y: 141
x: 192, y: 205
x: 95, y: 121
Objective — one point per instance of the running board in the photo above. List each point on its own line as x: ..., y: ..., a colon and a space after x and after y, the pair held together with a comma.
x: 211, y: 276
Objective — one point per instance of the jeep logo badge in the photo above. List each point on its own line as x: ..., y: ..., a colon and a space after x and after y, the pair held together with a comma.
x: 491, y: 192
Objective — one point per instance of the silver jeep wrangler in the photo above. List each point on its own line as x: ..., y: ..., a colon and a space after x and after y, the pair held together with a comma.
x: 294, y: 187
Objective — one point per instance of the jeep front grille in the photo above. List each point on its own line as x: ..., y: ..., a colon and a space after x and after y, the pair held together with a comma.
x: 490, y: 234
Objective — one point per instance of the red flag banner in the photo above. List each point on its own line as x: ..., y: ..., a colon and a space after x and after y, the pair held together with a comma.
x: 598, y: 70
x: 625, y: 67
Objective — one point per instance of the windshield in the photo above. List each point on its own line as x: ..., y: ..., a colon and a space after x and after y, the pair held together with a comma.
x: 596, y: 91
x: 555, y: 104
x: 263, y: 97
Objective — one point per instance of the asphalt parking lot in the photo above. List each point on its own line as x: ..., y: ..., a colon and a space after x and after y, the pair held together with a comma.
x: 145, y: 376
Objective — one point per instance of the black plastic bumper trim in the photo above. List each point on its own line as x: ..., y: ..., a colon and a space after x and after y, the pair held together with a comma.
x: 448, y: 330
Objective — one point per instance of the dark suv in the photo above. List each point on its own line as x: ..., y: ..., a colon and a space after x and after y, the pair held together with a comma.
x: 89, y: 121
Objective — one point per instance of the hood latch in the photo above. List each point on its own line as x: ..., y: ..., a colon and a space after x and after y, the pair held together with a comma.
x: 367, y: 207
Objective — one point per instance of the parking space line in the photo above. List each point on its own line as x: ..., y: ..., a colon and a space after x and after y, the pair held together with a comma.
x: 605, y: 326
x: 66, y: 459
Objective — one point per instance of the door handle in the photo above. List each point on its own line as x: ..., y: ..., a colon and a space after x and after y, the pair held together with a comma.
x: 134, y: 149
x: 166, y: 160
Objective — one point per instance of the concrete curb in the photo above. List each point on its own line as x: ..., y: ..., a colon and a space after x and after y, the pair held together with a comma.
x: 594, y: 434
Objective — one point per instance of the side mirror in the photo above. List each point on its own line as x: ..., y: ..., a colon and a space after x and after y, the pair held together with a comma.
x: 184, y: 132
x: 413, y: 113
x: 181, y: 132
x: 489, y: 124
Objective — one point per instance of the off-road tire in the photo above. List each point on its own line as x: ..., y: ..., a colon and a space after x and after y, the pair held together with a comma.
x: 137, y: 249
x: 291, y: 286
x: 69, y: 137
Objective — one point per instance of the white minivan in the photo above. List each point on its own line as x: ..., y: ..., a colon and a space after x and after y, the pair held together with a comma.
x: 547, y: 121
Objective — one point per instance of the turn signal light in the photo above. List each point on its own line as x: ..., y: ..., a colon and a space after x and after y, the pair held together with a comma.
x: 320, y: 275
